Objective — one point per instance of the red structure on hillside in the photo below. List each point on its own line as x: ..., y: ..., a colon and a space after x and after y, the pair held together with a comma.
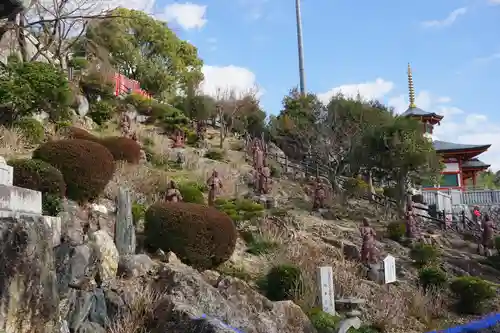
x: 124, y: 85
x: 461, y: 164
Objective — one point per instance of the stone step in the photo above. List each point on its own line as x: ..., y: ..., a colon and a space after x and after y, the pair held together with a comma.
x: 21, y: 200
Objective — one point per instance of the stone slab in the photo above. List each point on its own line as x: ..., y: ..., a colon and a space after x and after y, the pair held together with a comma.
x: 22, y: 200
x: 6, y: 174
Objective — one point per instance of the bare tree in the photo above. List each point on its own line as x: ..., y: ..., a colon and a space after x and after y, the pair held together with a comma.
x: 52, y: 27
x: 229, y: 107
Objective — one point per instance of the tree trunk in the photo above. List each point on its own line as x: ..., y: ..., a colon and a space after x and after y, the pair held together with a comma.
x: 21, y: 35
x: 124, y: 225
x: 370, y: 184
x: 402, y: 193
x: 222, y: 130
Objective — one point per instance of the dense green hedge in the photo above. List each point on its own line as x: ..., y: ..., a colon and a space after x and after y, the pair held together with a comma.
x: 87, y: 167
x: 199, y: 235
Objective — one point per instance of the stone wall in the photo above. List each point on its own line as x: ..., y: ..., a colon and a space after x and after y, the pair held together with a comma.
x: 28, y: 284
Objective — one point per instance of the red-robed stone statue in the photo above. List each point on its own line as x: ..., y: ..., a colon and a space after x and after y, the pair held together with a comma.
x: 265, y: 180
x: 214, y: 185
x: 125, y: 125
x: 178, y: 140
x: 258, y: 157
x: 173, y: 193
x: 487, y: 235
x: 368, y: 250
x: 320, y: 193
x: 410, y: 221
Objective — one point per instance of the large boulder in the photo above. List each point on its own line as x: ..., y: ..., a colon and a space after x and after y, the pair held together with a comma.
x: 229, y: 306
x: 107, y: 254
x: 28, y: 291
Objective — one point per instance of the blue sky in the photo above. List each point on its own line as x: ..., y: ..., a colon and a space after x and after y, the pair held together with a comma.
x: 357, y: 46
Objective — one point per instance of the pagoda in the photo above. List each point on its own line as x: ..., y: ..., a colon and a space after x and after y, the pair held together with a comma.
x: 461, y: 164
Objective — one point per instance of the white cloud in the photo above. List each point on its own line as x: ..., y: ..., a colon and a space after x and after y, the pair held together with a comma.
x: 424, y: 100
x: 212, y: 43
x: 457, y: 126
x: 255, y: 9
x: 489, y: 58
x: 367, y: 90
x: 449, y: 20
x: 223, y: 78
x: 187, y: 15
x: 444, y: 99
x: 494, y: 2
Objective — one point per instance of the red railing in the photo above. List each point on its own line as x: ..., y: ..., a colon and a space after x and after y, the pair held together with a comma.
x: 124, y: 85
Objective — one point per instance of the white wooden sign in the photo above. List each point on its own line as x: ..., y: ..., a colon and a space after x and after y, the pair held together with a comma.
x: 327, y: 289
x: 389, y: 269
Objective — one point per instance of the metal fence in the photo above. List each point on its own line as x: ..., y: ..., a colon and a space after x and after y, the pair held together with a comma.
x: 468, y: 197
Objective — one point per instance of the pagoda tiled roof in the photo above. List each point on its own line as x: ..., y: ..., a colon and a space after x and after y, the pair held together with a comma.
x: 441, y: 146
x: 475, y: 163
x: 418, y: 112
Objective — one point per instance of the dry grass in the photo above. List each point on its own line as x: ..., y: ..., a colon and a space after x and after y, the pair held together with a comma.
x: 147, y: 181
x: 141, y: 308
x: 13, y: 144
x: 401, y: 309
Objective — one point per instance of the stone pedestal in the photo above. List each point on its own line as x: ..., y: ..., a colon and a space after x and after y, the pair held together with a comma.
x: 18, y: 201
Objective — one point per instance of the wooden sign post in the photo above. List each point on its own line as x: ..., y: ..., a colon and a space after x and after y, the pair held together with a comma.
x: 327, y: 289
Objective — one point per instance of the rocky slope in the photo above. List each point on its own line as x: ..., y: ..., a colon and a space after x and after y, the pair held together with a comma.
x: 87, y: 286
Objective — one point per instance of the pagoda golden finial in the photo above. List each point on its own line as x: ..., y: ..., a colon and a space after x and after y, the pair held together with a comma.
x: 411, y: 88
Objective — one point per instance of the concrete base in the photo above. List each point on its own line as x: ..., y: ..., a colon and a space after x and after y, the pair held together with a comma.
x: 53, y: 223
x: 22, y: 200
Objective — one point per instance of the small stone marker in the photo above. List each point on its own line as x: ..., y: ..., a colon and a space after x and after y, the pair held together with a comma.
x: 124, y: 226
x: 389, y: 269
x: 327, y: 289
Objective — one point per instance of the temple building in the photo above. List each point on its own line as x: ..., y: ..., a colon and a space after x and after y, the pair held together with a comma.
x: 461, y: 165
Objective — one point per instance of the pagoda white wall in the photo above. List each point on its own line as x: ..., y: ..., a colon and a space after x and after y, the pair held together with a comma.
x: 452, y: 167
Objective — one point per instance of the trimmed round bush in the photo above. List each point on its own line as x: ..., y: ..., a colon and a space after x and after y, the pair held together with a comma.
x: 472, y: 293
x: 497, y: 243
x: 396, y: 230
x: 431, y: 278
x: 52, y: 204
x: 191, y: 193
x: 355, y: 187
x: 122, y: 149
x: 215, y: 154
x: 31, y: 128
x: 39, y: 176
x: 87, y: 167
x: 323, y: 322
x: 199, y: 235
x: 101, y: 112
x: 424, y: 254
x: 284, y: 282
x: 72, y: 132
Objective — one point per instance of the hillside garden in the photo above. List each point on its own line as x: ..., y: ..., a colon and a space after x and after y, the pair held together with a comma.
x: 83, y: 158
